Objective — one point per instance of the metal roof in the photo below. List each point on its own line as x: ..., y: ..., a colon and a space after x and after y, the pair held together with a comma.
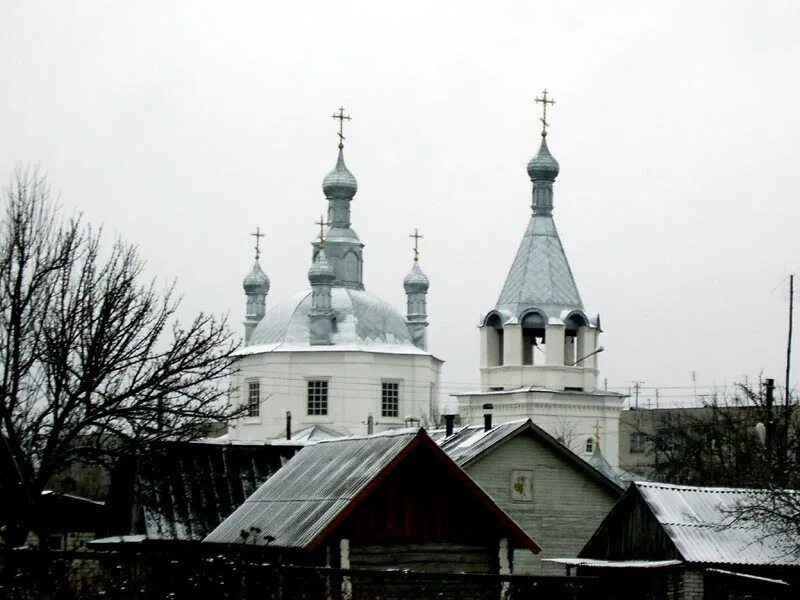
x: 363, y: 322
x: 300, y: 500
x: 540, y: 276
x: 469, y: 443
x: 700, y: 522
x: 308, y: 496
x: 614, y: 564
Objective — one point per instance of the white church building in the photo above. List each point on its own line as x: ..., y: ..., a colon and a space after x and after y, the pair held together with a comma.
x: 333, y: 355
x: 538, y: 346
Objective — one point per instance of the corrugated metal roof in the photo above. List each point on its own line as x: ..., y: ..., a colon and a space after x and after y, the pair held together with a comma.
x: 300, y: 500
x: 700, y: 522
x: 469, y: 443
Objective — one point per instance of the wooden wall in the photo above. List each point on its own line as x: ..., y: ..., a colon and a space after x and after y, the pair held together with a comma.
x: 566, y: 507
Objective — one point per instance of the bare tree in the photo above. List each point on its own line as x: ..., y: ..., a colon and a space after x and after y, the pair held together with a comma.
x: 748, y: 440
x: 93, y: 361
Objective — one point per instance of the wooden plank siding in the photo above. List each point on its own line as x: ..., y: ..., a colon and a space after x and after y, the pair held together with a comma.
x: 631, y: 532
x: 430, y: 558
x: 567, y: 505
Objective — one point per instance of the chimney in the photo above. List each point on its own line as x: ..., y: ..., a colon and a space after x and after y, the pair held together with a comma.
x: 288, y: 424
x: 449, y: 422
x: 370, y: 424
x: 487, y: 416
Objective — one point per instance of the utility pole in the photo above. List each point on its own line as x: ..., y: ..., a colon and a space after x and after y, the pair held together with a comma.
x: 789, y: 344
x: 636, y: 386
x: 769, y: 390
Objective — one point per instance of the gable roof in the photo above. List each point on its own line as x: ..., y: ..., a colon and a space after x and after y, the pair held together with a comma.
x: 324, y: 483
x: 700, y: 522
x: 471, y: 443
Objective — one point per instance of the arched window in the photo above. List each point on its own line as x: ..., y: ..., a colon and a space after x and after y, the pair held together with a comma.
x: 589, y: 445
x: 533, y: 338
x: 572, y: 323
x: 494, y: 340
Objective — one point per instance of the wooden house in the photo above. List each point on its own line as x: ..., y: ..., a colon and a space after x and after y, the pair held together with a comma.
x: 554, y: 495
x: 684, y: 542
x: 393, y: 500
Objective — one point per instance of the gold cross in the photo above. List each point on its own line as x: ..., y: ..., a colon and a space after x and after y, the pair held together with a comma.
x: 258, y: 235
x: 417, y: 237
x: 597, y: 432
x: 342, y: 118
x: 322, y: 224
x: 544, y: 101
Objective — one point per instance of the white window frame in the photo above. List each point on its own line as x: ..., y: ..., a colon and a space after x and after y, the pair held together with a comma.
x: 318, y: 412
x: 253, y: 412
x: 398, y: 389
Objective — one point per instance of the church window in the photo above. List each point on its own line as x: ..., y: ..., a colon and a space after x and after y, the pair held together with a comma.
x: 589, y: 445
x: 253, y: 398
x: 317, y: 398
x: 390, y: 399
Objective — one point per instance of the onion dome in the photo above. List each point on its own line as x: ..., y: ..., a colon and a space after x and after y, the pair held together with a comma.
x: 416, y: 281
x: 543, y: 166
x: 321, y: 272
x: 339, y: 183
x: 256, y: 281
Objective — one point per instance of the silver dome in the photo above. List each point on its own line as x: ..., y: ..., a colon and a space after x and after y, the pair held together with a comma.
x: 362, y: 322
x: 256, y: 281
x: 543, y: 166
x: 416, y: 281
x: 339, y: 183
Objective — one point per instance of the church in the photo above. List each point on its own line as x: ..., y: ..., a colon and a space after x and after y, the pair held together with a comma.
x: 538, y: 346
x: 336, y: 356
x: 333, y: 356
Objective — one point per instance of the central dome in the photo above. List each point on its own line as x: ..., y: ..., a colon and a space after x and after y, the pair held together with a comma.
x: 362, y: 321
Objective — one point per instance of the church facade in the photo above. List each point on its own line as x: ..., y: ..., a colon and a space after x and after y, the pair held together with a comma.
x: 539, y: 346
x: 334, y: 355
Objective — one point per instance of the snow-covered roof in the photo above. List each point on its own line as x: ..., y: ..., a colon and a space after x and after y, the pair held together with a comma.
x: 614, y: 564
x: 469, y: 443
x: 700, y: 522
x: 364, y: 323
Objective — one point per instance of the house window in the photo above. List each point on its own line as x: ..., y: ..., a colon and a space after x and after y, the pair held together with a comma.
x: 638, y: 440
x: 589, y: 445
x: 253, y: 398
x: 390, y: 399
x: 317, y: 398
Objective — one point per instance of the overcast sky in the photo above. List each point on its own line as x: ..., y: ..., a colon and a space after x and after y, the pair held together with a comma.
x: 181, y: 126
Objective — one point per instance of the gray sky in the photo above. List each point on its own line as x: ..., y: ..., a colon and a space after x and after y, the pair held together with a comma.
x: 183, y: 125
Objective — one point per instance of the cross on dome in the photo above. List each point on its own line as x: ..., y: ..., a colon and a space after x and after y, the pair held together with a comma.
x: 417, y: 237
x: 322, y: 224
x: 544, y: 102
x: 258, y: 235
x: 342, y: 118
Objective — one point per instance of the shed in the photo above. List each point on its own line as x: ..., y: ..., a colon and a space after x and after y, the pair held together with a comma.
x: 553, y: 494
x: 393, y: 500
x: 685, y: 542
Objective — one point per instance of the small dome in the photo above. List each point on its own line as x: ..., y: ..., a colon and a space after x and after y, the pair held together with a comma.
x: 543, y: 166
x: 339, y: 183
x: 416, y: 281
x: 321, y: 272
x: 256, y: 281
